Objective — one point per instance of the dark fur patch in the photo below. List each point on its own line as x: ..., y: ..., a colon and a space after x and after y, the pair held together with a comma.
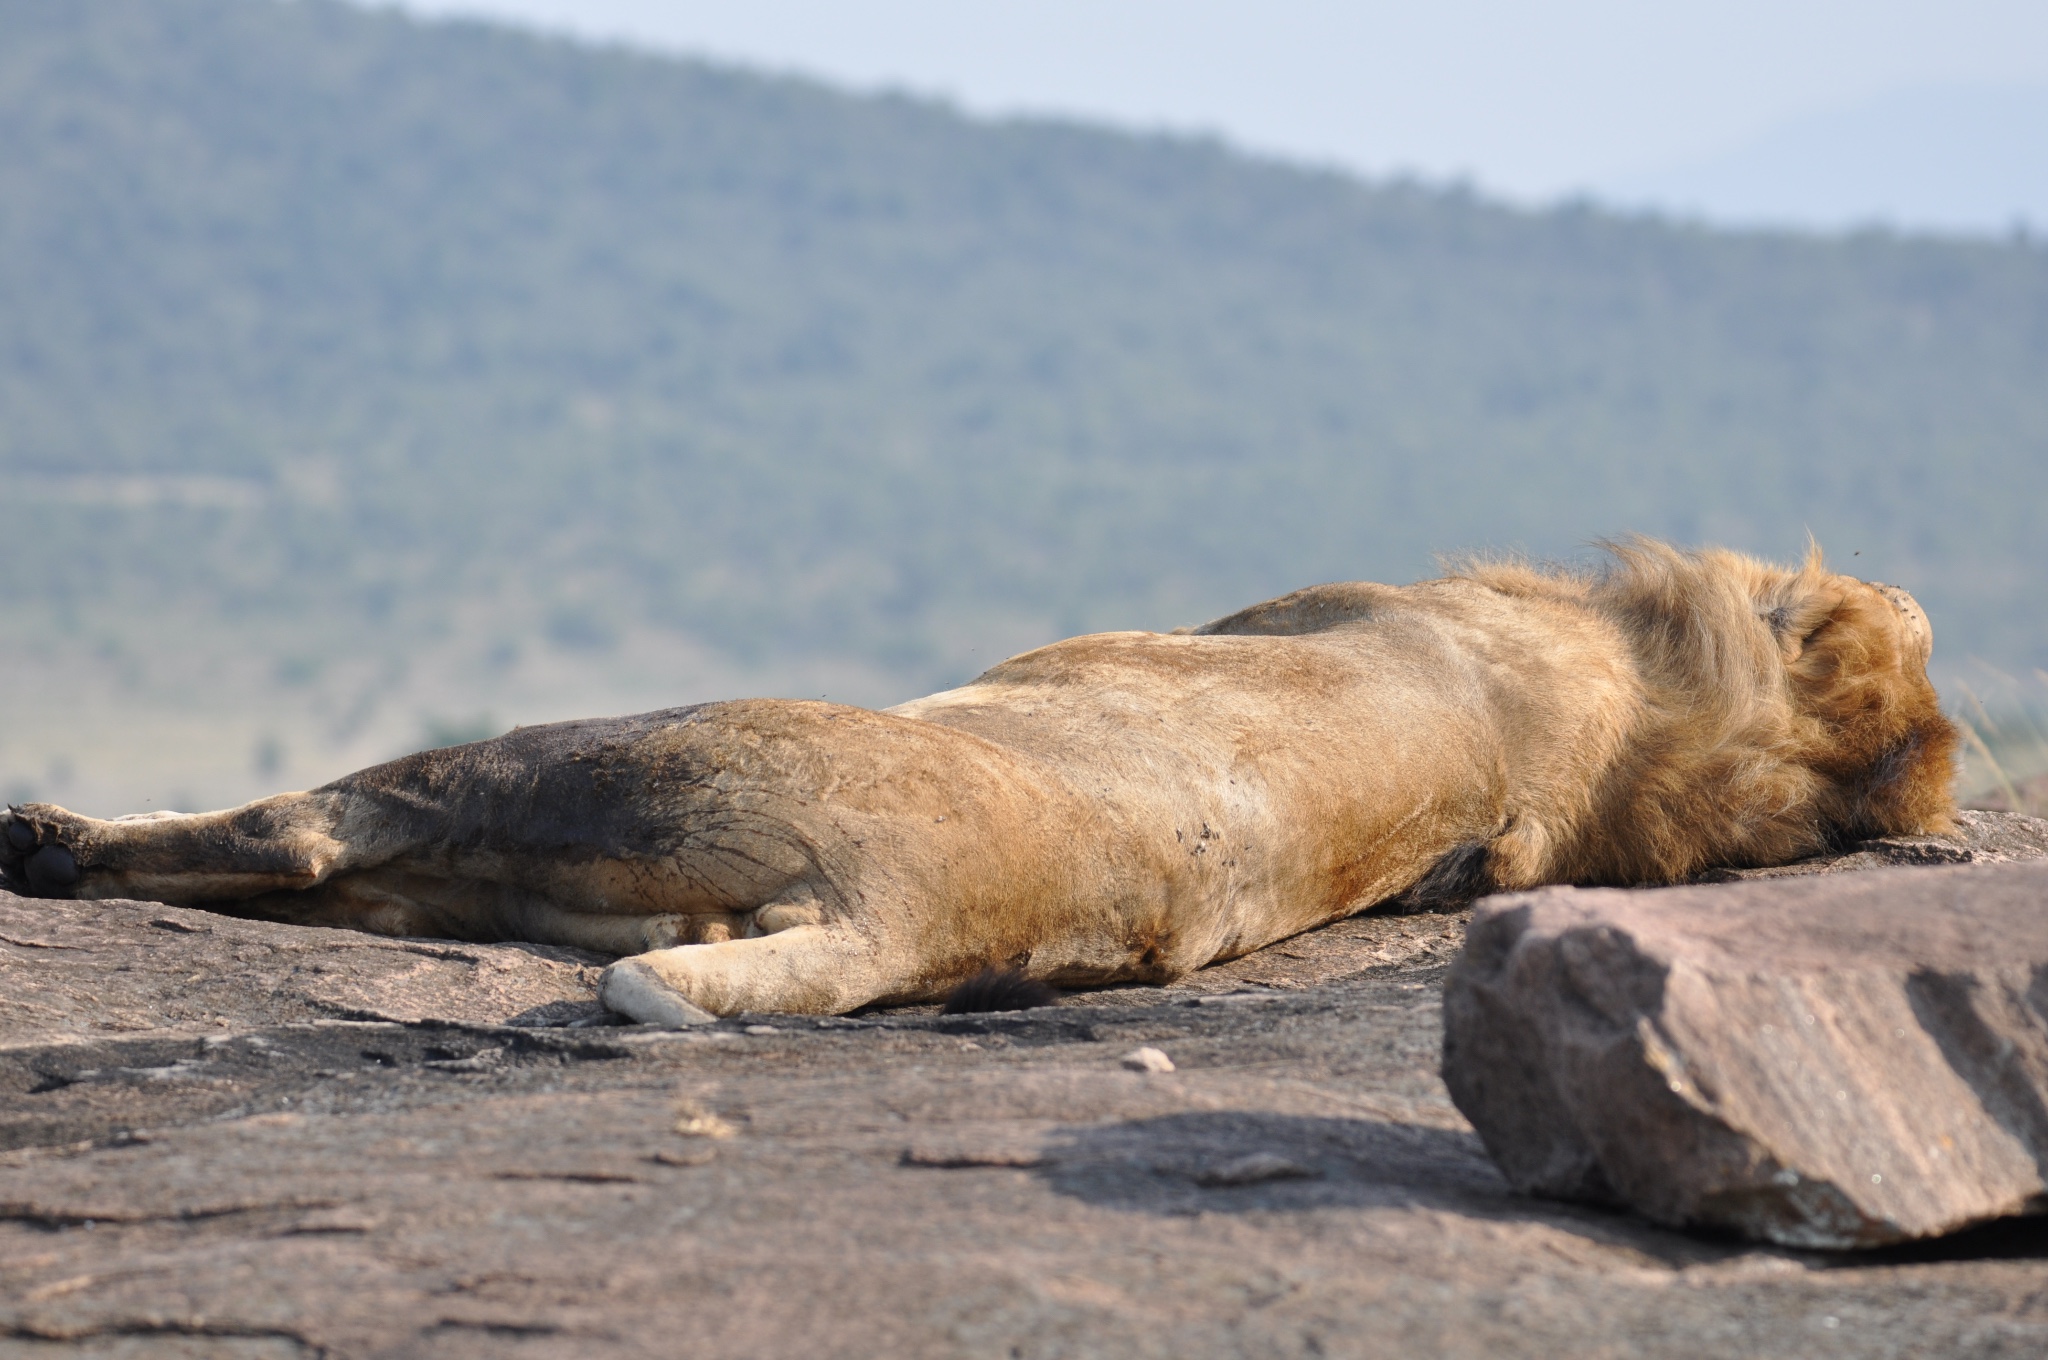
x: 1897, y: 762
x: 1462, y: 875
x: 999, y: 989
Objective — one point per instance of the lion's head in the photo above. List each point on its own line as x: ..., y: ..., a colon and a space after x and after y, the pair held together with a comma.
x: 1807, y: 692
x: 1783, y: 710
x: 1855, y: 658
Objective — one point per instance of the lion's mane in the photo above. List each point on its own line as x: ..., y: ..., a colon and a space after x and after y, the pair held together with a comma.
x: 1778, y: 712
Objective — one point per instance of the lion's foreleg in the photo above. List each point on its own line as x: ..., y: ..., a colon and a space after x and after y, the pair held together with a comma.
x: 804, y: 970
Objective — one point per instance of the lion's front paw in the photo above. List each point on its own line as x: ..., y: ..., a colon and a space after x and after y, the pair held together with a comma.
x: 634, y: 989
x: 33, y: 857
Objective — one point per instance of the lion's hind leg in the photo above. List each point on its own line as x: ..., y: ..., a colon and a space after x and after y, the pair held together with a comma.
x: 286, y: 842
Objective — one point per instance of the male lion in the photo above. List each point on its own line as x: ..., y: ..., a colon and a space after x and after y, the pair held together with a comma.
x: 1121, y: 806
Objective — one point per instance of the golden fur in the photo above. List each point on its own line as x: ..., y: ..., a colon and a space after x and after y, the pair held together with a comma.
x: 1746, y: 744
x: 1120, y: 806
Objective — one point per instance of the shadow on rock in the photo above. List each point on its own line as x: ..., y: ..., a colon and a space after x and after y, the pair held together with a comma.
x: 1237, y: 1162
x: 565, y: 1015
x: 2005, y: 1239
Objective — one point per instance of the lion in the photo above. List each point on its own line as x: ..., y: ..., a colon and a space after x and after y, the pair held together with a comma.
x: 1121, y: 807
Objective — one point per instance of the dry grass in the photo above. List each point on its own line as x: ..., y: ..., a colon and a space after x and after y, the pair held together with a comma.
x: 2005, y: 740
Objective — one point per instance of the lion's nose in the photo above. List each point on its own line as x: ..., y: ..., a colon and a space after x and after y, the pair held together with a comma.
x: 1917, y: 626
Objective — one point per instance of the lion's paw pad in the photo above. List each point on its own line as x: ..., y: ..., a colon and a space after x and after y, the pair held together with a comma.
x: 32, y: 860
x: 51, y: 869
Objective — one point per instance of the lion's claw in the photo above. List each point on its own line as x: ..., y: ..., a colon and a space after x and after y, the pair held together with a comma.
x: 17, y: 839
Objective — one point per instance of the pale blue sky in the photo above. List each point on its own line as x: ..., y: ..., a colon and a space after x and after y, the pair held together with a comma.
x: 1746, y: 109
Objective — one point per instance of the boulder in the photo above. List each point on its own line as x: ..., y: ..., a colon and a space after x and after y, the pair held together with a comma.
x: 1822, y: 1061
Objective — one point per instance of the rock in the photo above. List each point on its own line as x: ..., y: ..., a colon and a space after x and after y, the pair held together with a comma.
x: 1147, y: 1059
x: 695, y: 1121
x: 1252, y: 1169
x: 972, y: 1146
x: 1818, y: 1062
x: 85, y: 969
x: 1982, y: 837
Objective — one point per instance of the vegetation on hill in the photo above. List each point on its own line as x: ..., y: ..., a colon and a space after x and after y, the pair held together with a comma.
x: 331, y: 341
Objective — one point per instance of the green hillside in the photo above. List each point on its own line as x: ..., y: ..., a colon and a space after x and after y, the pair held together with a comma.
x: 358, y: 374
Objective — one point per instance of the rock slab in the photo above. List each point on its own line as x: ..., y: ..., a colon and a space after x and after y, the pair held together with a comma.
x: 85, y: 970
x: 1829, y: 1061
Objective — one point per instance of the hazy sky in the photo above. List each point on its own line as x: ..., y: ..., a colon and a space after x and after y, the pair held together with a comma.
x: 1748, y: 108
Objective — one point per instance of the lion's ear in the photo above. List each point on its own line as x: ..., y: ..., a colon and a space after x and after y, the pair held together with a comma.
x: 1797, y: 613
x: 1845, y: 639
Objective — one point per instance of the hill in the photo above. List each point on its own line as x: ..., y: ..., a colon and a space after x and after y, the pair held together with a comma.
x: 365, y: 381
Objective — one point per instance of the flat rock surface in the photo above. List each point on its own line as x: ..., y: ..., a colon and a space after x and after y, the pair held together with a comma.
x: 80, y: 969
x: 374, y: 1160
